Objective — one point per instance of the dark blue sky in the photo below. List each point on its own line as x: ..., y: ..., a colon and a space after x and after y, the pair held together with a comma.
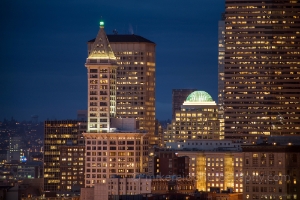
x: 43, y: 50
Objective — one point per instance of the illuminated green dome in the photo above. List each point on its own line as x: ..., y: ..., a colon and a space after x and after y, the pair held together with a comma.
x: 199, y: 96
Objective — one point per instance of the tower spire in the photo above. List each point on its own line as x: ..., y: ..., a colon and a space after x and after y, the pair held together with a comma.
x: 101, y: 50
x: 101, y: 66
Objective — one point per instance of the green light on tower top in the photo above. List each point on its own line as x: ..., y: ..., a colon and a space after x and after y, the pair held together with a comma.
x: 101, y: 23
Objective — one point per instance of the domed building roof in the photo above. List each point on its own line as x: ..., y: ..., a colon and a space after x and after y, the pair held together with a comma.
x: 199, y: 96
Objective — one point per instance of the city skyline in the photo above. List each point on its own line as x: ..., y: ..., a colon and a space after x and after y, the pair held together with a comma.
x: 45, y: 51
x: 230, y: 80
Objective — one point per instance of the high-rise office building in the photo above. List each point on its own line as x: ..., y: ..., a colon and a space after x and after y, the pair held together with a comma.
x: 135, y: 78
x: 197, y: 119
x: 60, y: 135
x: 114, y: 146
x: 102, y: 67
x: 178, y: 97
x: 261, y: 74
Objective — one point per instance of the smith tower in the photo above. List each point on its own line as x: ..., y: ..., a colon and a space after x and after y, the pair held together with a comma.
x: 113, y: 145
x: 101, y: 66
x: 135, y: 78
x: 262, y: 68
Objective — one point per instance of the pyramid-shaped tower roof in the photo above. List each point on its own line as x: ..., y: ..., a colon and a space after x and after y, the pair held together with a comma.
x: 101, y: 51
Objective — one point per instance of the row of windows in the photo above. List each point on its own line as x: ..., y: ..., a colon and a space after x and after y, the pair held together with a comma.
x: 130, y: 53
x: 112, y: 142
x: 73, y: 177
x: 131, y: 63
x: 114, y: 153
x: 214, y: 117
x: 99, y: 171
x: 74, y: 158
x: 130, y: 58
x: 71, y: 183
x: 102, y: 70
x: 113, y: 148
x: 71, y: 163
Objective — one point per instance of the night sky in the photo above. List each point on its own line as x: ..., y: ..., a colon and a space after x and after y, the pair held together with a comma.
x: 43, y: 50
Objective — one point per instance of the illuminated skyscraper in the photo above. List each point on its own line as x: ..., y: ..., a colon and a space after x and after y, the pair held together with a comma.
x: 135, y: 78
x: 197, y: 119
x: 262, y: 68
x: 113, y: 143
x: 101, y: 66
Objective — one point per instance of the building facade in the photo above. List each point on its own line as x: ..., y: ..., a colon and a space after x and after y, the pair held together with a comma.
x: 101, y: 67
x: 72, y: 163
x: 122, y: 154
x: 205, y: 145
x: 209, y: 170
x: 197, y: 119
x: 261, y: 74
x: 271, y: 172
x: 59, y: 134
x: 167, y: 163
x: 129, y: 186
x: 135, y: 78
x: 117, y: 144
x: 116, y: 187
x: 15, y: 151
x: 215, y: 169
x: 173, y: 185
